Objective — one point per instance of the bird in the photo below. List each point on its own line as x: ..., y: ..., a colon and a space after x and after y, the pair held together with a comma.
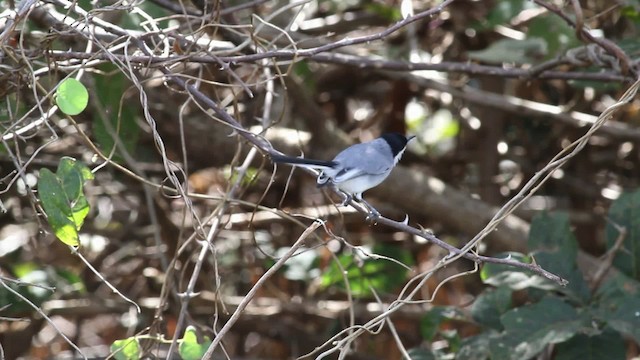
x: 357, y: 168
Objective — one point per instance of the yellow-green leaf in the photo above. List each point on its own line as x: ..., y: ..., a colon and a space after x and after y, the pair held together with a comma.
x: 189, y: 347
x: 126, y: 349
x: 63, y: 199
x: 72, y: 97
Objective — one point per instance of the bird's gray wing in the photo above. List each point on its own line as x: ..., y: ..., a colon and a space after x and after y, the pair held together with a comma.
x: 369, y: 162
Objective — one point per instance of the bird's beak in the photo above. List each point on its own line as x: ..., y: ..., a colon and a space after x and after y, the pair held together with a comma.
x: 410, y: 138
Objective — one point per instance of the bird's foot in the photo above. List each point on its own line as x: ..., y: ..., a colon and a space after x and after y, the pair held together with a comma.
x: 373, y: 215
x: 347, y: 199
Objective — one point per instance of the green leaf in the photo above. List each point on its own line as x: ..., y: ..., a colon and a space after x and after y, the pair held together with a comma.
x: 306, y: 74
x: 72, y: 97
x: 378, y: 273
x: 126, y: 349
x: 453, y: 339
x: 57, y: 207
x: 389, y: 12
x: 631, y: 13
x: 607, y: 345
x: 63, y: 199
x: 189, y: 347
x: 35, y: 284
x: 490, y: 306
x: 625, y: 211
x: 250, y: 175
x: 529, y: 329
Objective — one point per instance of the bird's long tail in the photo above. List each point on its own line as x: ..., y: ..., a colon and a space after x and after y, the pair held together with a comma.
x: 308, y: 163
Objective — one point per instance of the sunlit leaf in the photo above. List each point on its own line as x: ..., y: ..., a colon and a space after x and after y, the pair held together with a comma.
x: 63, y: 199
x: 126, y: 349
x: 57, y: 207
x: 72, y: 97
x: 363, y: 274
x: 189, y: 347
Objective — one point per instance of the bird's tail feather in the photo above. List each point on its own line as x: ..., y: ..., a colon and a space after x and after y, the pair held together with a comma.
x: 308, y: 163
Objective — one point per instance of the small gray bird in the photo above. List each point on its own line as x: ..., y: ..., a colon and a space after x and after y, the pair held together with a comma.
x: 357, y: 168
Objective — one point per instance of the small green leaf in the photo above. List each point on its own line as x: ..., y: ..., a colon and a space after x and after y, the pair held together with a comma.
x: 56, y: 205
x: 126, y: 349
x: 63, y: 199
x: 72, y: 97
x: 189, y: 348
x: 73, y: 175
x: 373, y: 272
x: 388, y: 12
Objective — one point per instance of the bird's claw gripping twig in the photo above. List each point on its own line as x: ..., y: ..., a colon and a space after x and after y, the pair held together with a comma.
x: 373, y: 214
x: 347, y: 199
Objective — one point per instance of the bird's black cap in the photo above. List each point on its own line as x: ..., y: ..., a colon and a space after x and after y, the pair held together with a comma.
x: 396, y: 141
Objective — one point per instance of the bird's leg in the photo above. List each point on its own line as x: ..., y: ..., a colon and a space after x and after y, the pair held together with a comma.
x: 347, y: 199
x: 373, y: 213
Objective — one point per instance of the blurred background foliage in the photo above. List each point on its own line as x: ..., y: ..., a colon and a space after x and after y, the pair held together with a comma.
x: 496, y: 89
